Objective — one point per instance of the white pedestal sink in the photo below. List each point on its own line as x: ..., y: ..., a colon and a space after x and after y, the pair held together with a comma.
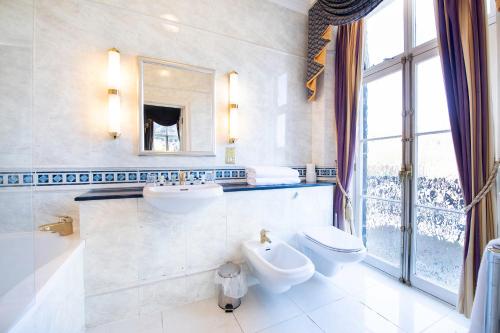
x: 181, y: 198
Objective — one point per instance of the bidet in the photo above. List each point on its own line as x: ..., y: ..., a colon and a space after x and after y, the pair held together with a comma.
x: 277, y: 265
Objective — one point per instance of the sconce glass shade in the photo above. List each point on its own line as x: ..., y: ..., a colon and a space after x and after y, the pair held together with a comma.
x: 233, y: 90
x: 114, y: 113
x: 233, y: 107
x: 114, y: 78
x: 114, y: 69
x: 233, y: 125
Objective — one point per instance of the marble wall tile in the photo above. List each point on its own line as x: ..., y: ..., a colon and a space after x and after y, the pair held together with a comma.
x: 324, y: 149
x: 16, y: 105
x: 113, y: 243
x: 48, y: 205
x: 105, y: 308
x: 285, y: 30
x: 248, y: 213
x: 169, y: 259
x: 201, y: 286
x: 16, y: 23
x: 207, y: 237
x: 77, y: 34
x: 161, y: 295
x: 163, y: 239
x: 16, y: 214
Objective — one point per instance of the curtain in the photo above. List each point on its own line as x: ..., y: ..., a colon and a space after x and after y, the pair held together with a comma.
x: 348, y: 61
x: 322, y: 15
x: 461, y: 26
x: 148, y: 134
x: 162, y: 115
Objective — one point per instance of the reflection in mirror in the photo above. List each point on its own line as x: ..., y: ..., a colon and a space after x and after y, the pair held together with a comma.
x: 177, y: 109
x: 162, y: 128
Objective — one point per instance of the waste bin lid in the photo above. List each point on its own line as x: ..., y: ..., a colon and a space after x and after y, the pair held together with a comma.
x: 229, y: 270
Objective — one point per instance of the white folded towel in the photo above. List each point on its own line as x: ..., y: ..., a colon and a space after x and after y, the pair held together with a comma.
x: 273, y: 181
x: 477, y: 316
x: 271, y: 172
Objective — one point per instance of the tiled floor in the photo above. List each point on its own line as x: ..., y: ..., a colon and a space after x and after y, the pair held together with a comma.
x: 359, y: 299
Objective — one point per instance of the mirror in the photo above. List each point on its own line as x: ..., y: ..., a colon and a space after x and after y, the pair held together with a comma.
x: 176, y: 109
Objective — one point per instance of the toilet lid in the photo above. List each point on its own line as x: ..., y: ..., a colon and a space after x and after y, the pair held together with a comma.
x: 334, y: 239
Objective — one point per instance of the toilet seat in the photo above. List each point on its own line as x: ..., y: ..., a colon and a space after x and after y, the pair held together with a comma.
x: 334, y: 239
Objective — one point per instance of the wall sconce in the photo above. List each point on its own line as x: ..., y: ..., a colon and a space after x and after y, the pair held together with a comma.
x: 114, y: 92
x: 233, y: 106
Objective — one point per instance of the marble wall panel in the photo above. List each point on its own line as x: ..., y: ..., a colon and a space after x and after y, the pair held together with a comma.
x: 71, y: 42
x: 160, y: 260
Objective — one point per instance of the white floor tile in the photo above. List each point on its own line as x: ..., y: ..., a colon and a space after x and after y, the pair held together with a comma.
x: 300, y: 324
x: 454, y: 323
x: 151, y: 323
x: 381, y: 304
x: 261, y: 309
x: 202, y: 316
x: 349, y: 315
x: 406, y: 307
x: 356, y: 279
x: 315, y: 292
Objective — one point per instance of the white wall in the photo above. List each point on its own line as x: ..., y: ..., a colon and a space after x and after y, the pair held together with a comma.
x: 139, y: 260
x: 264, y: 42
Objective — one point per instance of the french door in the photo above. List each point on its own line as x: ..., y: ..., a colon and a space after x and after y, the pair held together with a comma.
x: 409, y: 201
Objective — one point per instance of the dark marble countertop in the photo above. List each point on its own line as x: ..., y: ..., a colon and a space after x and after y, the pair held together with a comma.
x: 136, y: 192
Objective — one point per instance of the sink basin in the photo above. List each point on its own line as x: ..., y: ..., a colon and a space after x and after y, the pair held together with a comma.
x: 181, y: 198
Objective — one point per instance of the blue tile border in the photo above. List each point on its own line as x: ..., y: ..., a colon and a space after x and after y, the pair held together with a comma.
x: 129, y: 175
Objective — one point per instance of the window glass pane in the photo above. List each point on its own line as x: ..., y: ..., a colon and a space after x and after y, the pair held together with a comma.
x: 382, y: 105
x: 431, y: 105
x: 439, y: 247
x: 437, y: 176
x: 166, y: 138
x: 381, y: 210
x: 382, y: 222
x: 439, y: 220
x: 382, y: 161
x: 384, y: 33
x: 425, y: 24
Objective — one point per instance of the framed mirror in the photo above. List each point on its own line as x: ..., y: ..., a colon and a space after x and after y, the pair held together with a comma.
x: 176, y: 109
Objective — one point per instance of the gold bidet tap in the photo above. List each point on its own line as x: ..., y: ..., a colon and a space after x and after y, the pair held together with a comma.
x: 263, y: 237
x: 63, y: 227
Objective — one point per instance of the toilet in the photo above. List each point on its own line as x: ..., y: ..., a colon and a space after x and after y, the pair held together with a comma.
x: 330, y: 248
x: 277, y: 265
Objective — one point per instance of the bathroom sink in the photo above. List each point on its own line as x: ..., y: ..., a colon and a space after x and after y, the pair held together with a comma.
x: 181, y: 198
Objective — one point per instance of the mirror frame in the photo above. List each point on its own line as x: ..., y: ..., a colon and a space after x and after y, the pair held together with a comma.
x: 141, y: 61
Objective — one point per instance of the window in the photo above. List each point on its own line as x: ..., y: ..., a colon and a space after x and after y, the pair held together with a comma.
x: 409, y: 206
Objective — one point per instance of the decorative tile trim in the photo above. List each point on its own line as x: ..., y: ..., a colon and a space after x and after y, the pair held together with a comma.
x: 103, y: 176
x: 16, y: 178
x: 326, y: 172
x: 48, y: 178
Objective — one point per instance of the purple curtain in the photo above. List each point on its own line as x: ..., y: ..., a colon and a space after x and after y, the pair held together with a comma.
x: 348, y: 60
x: 461, y: 26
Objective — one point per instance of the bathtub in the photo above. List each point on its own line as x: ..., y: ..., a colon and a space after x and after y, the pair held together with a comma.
x: 44, y: 278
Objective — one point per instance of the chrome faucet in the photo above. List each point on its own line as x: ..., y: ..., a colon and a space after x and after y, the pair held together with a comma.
x: 64, y: 226
x: 263, y: 237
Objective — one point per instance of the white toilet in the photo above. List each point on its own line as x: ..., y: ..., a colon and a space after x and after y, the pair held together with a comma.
x: 277, y: 265
x: 330, y: 248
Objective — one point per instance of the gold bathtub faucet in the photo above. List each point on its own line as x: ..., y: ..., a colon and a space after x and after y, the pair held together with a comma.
x: 63, y: 227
